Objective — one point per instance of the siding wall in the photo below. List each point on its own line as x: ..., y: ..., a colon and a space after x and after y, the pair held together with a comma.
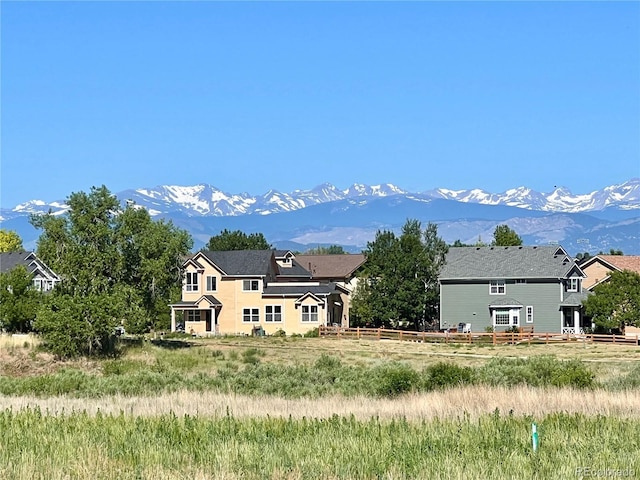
x: 229, y: 292
x: 459, y: 301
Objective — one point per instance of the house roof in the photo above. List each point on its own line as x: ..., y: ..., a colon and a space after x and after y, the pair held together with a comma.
x: 622, y: 262
x: 548, y: 261
x: 278, y: 289
x: 10, y: 260
x: 331, y: 266
x: 505, y: 302
x: 574, y: 299
x: 294, y: 270
x: 242, y: 262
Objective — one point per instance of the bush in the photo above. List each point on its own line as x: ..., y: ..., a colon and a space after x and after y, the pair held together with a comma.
x: 442, y: 375
x: 540, y: 371
x: 394, y: 379
x: 313, y: 333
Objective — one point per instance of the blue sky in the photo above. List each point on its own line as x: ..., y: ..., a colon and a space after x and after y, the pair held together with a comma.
x: 287, y: 95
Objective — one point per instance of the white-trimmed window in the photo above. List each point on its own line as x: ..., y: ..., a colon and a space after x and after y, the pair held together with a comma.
x: 273, y: 313
x: 250, y: 285
x: 520, y: 281
x: 212, y: 283
x: 193, y: 315
x: 573, y: 284
x: 497, y: 287
x: 309, y: 313
x: 529, y: 313
x: 501, y: 317
x: 250, y: 315
x: 191, y: 284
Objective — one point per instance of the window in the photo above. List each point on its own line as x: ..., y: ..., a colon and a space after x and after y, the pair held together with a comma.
x: 309, y: 313
x: 529, y: 314
x: 193, y: 315
x: 520, y: 281
x: 497, y: 287
x: 192, y: 282
x: 250, y: 314
x: 250, y: 285
x: 273, y: 313
x: 211, y: 284
x: 573, y: 284
x: 501, y: 317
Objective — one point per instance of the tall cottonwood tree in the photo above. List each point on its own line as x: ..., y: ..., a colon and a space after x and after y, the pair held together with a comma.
x: 399, y: 282
x: 118, y: 267
x: 237, y: 240
x: 503, y: 236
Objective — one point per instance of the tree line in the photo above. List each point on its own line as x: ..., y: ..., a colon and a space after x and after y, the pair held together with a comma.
x: 122, y: 268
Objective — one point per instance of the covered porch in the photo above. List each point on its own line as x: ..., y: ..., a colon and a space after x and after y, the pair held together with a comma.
x: 196, y: 318
x: 573, y: 319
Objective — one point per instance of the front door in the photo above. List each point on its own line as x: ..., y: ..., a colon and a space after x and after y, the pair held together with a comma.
x: 207, y: 317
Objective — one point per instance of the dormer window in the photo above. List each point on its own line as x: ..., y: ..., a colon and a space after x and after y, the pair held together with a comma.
x: 573, y: 284
x: 497, y: 287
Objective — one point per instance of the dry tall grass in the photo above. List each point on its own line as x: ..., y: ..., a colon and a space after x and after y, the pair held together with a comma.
x: 473, y: 401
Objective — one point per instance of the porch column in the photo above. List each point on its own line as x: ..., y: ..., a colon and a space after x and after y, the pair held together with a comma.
x: 576, y: 321
x: 173, y: 320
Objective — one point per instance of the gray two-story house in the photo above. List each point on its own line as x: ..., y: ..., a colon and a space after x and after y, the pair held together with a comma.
x: 506, y: 287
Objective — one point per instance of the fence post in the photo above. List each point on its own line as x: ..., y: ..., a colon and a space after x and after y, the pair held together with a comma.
x: 494, y: 337
x: 358, y: 333
x: 379, y: 331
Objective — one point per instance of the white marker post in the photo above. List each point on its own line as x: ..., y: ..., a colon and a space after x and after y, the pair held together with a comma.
x: 534, y: 437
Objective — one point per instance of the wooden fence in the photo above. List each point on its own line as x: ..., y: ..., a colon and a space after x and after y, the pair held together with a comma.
x: 495, y: 338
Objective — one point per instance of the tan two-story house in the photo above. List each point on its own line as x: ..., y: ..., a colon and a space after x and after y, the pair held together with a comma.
x: 239, y: 292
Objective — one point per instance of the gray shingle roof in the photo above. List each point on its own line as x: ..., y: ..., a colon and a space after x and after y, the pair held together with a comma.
x: 574, y: 299
x: 298, y: 290
x: 506, y: 262
x: 9, y: 260
x: 242, y: 262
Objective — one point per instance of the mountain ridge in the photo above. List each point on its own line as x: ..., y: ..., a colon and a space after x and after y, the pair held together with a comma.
x: 603, y: 219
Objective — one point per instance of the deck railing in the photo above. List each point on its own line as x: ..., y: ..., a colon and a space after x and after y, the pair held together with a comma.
x: 493, y: 338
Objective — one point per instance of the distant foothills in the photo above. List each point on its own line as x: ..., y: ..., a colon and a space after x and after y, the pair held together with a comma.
x: 602, y: 220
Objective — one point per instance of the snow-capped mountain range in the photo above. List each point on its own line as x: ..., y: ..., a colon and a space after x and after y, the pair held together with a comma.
x: 325, y: 215
x: 207, y: 200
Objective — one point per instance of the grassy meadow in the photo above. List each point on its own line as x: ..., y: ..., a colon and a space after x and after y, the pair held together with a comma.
x: 320, y: 408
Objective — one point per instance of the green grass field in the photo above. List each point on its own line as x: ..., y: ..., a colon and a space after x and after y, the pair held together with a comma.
x: 317, y: 408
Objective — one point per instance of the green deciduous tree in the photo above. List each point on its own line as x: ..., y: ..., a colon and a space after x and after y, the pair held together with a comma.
x: 10, y: 241
x: 615, y: 302
x: 237, y: 240
x: 503, y: 236
x: 399, y: 280
x: 19, y: 300
x: 118, y: 267
x: 330, y: 250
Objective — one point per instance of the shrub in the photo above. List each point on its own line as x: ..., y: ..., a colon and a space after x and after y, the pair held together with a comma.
x: 443, y: 375
x: 394, y: 379
x: 313, y: 333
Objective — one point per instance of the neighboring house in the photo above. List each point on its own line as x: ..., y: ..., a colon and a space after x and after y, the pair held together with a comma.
x: 235, y: 292
x: 505, y: 287
x: 340, y: 269
x: 44, y: 279
x: 598, y: 268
